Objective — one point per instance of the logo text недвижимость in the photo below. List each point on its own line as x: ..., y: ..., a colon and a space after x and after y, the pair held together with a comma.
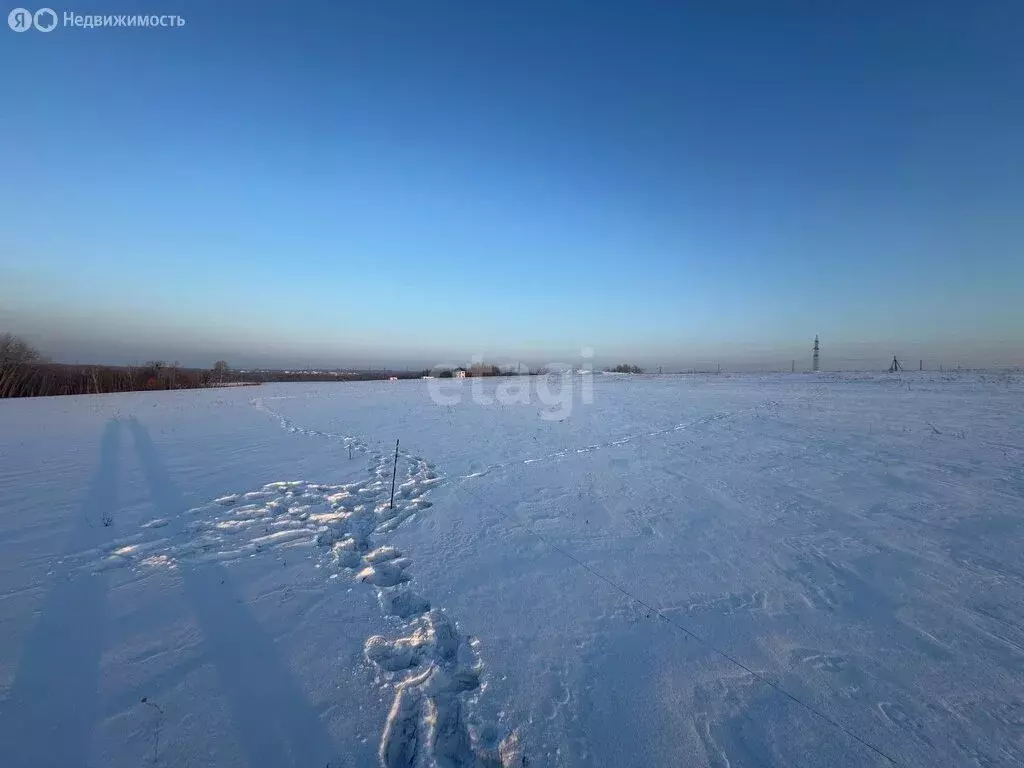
x: 47, y: 20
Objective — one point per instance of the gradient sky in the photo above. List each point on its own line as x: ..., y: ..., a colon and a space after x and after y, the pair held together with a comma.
x: 400, y: 181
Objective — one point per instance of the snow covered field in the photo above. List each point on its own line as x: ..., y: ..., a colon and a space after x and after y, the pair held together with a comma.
x: 728, y: 571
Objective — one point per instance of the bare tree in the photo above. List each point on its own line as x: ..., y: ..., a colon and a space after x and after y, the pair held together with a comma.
x: 14, y: 350
x: 15, y: 357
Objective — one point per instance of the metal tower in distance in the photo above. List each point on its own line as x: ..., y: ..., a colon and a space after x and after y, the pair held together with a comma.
x: 814, y: 362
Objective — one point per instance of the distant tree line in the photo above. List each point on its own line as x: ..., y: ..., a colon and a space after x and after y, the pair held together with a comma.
x: 40, y: 379
x: 625, y: 368
x: 268, y: 376
x: 24, y: 372
x: 484, y: 369
x: 478, y: 369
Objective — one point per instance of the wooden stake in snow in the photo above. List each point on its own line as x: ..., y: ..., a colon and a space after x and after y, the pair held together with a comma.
x: 393, y: 473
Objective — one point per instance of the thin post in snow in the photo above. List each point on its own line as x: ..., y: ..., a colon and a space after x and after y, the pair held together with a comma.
x: 394, y: 472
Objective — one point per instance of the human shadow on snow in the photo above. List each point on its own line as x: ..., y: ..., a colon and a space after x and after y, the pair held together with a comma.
x: 48, y: 719
x: 276, y: 723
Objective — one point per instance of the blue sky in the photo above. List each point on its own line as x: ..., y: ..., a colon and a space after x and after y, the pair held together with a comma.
x: 383, y: 181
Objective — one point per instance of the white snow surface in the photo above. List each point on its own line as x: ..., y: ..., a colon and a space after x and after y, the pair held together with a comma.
x: 787, y: 570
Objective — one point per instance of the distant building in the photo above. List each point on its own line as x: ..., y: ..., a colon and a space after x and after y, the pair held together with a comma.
x: 459, y: 373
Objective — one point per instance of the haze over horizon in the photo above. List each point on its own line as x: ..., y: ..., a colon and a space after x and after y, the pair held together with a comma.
x: 407, y: 184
